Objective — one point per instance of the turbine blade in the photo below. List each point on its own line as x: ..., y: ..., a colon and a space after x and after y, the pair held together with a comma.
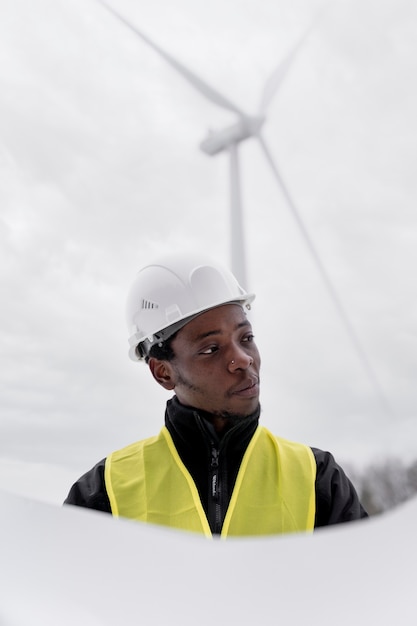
x: 203, y: 87
x: 278, y: 75
x: 340, y: 309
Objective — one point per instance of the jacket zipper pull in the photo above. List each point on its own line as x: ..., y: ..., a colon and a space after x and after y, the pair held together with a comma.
x: 214, y: 471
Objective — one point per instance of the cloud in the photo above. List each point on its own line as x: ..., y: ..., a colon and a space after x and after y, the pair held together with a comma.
x: 100, y: 171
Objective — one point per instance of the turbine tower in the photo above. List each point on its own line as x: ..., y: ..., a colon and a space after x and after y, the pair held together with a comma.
x: 229, y: 139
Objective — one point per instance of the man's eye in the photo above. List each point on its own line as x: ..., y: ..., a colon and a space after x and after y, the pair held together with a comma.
x: 209, y: 350
x: 248, y: 338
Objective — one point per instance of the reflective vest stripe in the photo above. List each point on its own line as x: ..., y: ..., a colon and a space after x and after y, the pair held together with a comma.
x: 274, y: 490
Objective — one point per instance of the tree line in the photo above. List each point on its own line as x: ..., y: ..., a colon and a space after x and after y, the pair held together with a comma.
x: 382, y: 486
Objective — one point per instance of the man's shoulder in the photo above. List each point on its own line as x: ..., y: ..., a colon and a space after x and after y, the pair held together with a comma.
x: 89, y: 490
x: 290, y: 444
x: 136, y: 445
x: 337, y: 499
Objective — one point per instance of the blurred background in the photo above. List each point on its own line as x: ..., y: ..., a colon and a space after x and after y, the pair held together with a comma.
x: 100, y: 171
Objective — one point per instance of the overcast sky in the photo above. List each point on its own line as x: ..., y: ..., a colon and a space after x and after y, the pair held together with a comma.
x: 100, y: 171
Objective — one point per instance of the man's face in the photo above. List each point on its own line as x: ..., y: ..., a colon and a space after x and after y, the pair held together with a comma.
x: 216, y: 364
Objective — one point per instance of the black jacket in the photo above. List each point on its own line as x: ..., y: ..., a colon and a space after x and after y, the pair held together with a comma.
x: 205, y: 455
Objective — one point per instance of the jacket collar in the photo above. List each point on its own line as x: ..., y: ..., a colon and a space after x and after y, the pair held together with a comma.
x: 188, y: 425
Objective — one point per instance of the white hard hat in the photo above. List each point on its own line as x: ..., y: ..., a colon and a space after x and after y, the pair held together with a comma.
x: 171, y: 291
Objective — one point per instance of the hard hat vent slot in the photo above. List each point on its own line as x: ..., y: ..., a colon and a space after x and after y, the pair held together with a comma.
x: 148, y: 304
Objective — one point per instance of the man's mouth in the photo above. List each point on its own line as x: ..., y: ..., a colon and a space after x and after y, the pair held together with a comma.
x: 248, y: 389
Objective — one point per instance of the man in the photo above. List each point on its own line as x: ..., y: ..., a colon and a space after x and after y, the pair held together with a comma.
x: 212, y: 469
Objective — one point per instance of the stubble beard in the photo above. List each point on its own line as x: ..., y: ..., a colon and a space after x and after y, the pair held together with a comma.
x: 227, y: 416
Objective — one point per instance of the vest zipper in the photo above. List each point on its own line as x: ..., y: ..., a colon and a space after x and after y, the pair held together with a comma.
x: 217, y: 488
x: 215, y: 511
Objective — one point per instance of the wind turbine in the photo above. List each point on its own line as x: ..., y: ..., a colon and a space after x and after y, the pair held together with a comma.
x: 229, y: 138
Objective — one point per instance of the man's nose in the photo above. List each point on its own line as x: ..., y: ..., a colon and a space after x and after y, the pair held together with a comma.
x: 239, y: 359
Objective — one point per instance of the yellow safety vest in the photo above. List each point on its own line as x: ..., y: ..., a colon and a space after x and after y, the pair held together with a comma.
x: 274, y: 491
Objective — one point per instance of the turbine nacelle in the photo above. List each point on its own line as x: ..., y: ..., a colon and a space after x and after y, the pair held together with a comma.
x: 219, y: 140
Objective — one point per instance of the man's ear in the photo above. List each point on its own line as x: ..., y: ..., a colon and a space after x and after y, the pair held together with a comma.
x: 162, y: 372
